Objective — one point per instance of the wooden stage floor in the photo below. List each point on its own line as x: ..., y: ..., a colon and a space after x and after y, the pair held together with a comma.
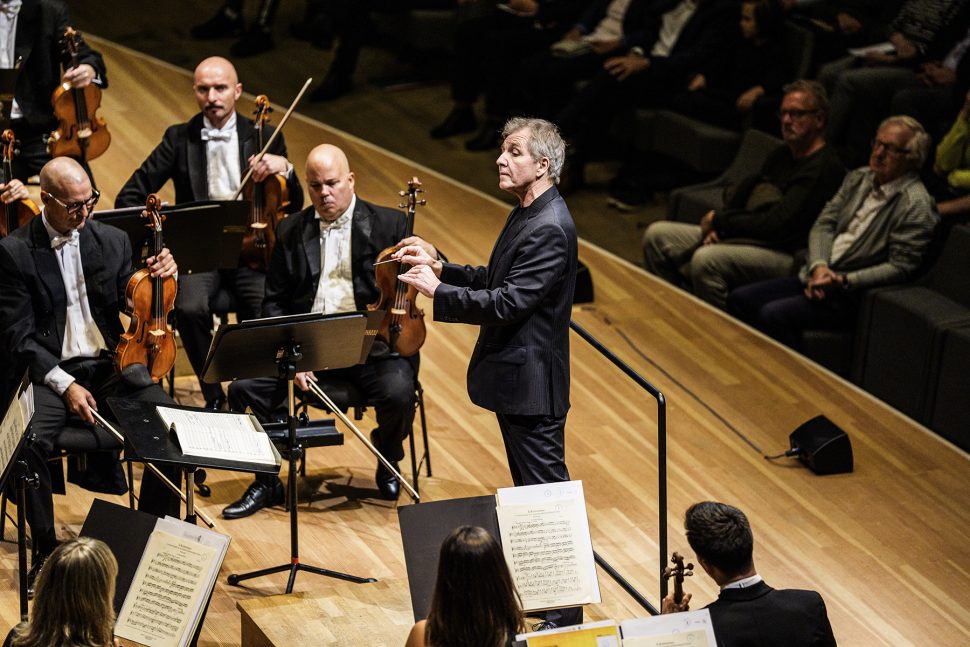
x: 886, y: 545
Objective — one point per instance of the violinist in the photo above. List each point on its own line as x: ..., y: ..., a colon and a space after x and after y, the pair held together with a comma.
x: 334, y: 272
x: 206, y: 159
x: 62, y: 288
x: 30, y: 34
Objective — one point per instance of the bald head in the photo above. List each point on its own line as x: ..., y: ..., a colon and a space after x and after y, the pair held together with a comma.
x: 64, y: 182
x: 217, y: 88
x: 330, y: 181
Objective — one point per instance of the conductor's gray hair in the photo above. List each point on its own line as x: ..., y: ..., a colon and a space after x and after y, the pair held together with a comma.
x: 544, y: 141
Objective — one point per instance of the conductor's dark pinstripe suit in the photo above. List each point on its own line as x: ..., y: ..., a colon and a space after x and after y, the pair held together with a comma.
x: 522, y: 300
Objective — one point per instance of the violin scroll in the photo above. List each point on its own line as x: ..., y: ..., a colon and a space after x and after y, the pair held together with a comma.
x: 678, y: 572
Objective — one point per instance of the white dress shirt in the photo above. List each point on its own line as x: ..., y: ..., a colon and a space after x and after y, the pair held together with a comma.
x: 9, y: 12
x: 672, y: 24
x: 222, y: 158
x: 81, y: 335
x: 743, y: 583
x: 335, y: 291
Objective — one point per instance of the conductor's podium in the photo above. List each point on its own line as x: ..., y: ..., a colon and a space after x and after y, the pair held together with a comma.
x: 338, y: 613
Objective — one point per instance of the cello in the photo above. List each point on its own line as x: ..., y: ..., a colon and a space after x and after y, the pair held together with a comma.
x: 269, y: 199
x: 81, y: 132
x: 16, y: 214
x: 403, y: 325
x: 149, y: 301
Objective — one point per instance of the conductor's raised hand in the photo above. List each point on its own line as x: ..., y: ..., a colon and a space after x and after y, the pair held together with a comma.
x: 420, y: 242
x: 417, y: 255
x: 423, y: 278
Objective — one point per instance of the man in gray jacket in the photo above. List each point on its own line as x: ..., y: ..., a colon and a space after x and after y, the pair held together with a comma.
x: 874, y: 232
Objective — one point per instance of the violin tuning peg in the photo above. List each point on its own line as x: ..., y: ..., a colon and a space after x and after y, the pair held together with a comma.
x: 401, y: 205
x: 422, y: 202
x: 402, y: 193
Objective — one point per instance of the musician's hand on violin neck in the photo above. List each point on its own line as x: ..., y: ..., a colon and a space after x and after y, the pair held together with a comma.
x: 79, y: 401
x: 12, y: 191
x: 423, y: 278
x: 269, y: 165
x: 163, y: 265
x: 81, y: 76
x: 418, y: 255
x: 667, y: 605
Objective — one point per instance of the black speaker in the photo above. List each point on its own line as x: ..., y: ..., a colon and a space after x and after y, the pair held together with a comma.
x: 584, y: 284
x: 822, y: 447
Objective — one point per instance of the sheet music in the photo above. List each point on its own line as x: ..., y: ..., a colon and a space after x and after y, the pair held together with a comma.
x: 593, y: 634
x: 545, y: 538
x: 226, y: 436
x: 12, y: 427
x: 688, y: 629
x: 168, y: 585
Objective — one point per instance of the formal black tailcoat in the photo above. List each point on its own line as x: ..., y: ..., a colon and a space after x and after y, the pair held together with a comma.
x: 760, y: 616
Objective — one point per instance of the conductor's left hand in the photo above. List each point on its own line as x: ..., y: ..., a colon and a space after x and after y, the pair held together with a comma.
x: 423, y: 278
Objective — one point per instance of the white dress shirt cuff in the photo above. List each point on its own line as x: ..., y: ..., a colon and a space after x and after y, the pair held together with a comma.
x: 58, y: 380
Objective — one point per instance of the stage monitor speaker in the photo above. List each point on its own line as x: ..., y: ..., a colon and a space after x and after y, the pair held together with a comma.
x: 584, y: 284
x: 822, y: 446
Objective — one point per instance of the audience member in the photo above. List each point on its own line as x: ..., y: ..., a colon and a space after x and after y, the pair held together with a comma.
x: 747, y: 612
x: 766, y: 219
x: 874, y: 232
x: 228, y: 21
x: 838, y: 25
x: 474, y: 603
x: 73, y: 606
x: 953, y: 165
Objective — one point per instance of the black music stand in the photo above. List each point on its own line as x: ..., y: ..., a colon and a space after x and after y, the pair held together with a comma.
x: 190, y: 229
x: 152, y: 442
x: 273, y: 347
x: 8, y: 87
x: 13, y: 439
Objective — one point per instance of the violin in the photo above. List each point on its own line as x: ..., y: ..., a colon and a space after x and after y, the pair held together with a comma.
x: 678, y: 571
x: 16, y: 214
x: 403, y: 325
x: 81, y: 132
x: 269, y: 199
x: 149, y: 301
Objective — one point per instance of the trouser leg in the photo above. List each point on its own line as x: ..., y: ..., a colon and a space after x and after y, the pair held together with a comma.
x: 194, y: 322
x: 668, y: 247
x: 716, y: 269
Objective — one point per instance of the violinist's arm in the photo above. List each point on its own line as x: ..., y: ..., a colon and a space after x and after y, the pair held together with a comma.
x: 86, y: 56
x: 270, y: 165
x: 12, y: 191
x: 667, y: 605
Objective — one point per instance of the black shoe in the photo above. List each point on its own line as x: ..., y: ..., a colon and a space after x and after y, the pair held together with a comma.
x: 628, y: 199
x: 225, y: 24
x: 217, y: 403
x: 330, y: 88
x: 36, y: 566
x: 387, y: 483
x: 255, y: 41
x: 488, y: 137
x: 459, y: 120
x: 257, y: 497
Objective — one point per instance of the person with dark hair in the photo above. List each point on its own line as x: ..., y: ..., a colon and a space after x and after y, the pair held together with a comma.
x: 747, y: 612
x: 474, y: 603
x: 74, y: 602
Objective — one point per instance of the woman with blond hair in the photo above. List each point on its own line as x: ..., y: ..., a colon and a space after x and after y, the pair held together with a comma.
x: 474, y: 603
x: 73, y: 603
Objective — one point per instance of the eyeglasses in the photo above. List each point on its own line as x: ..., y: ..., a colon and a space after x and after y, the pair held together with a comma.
x: 75, y: 208
x: 889, y: 148
x: 795, y: 114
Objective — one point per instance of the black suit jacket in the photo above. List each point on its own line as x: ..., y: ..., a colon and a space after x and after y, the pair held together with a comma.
x: 40, y: 27
x: 523, y: 301
x: 33, y: 303
x: 180, y: 157
x: 760, y: 616
x: 294, y: 270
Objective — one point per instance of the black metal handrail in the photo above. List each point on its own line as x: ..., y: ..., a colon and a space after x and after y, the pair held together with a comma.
x: 661, y: 469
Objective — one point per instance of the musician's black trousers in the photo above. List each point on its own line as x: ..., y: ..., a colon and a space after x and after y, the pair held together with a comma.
x: 51, y: 417
x: 32, y: 152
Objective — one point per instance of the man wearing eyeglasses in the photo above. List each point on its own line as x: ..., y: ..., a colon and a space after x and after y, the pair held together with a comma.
x: 206, y: 159
x: 765, y: 218
x: 874, y: 232
x: 62, y: 287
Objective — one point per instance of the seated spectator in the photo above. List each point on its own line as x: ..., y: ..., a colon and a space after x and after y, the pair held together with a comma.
x: 874, y: 232
x: 953, y: 164
x: 838, y: 25
x: 930, y: 40
x: 766, y: 219
x: 745, y: 91
x: 747, y: 612
x: 73, y: 604
x: 474, y: 603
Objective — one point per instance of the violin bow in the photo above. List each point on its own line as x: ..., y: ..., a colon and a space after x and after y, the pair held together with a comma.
x: 272, y: 138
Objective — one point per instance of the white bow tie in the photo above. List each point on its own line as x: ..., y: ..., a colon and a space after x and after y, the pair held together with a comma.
x: 216, y: 135
x: 67, y: 239
x: 10, y: 8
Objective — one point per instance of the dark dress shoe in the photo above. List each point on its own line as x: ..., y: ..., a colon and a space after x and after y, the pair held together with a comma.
x: 257, y: 497
x: 387, y: 483
x: 487, y: 138
x: 225, y: 24
x: 459, y: 120
x: 255, y: 41
x: 330, y: 88
x: 217, y: 403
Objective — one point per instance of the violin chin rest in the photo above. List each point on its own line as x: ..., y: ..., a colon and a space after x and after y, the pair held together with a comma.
x: 136, y: 376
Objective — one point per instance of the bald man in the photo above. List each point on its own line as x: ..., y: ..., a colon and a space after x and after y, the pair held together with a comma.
x: 206, y: 159
x: 324, y: 262
x: 62, y: 287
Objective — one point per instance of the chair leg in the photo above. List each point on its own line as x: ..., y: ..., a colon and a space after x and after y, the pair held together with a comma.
x: 131, y: 486
x: 171, y: 382
x: 414, y: 463
x: 424, y: 431
x: 3, y: 517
